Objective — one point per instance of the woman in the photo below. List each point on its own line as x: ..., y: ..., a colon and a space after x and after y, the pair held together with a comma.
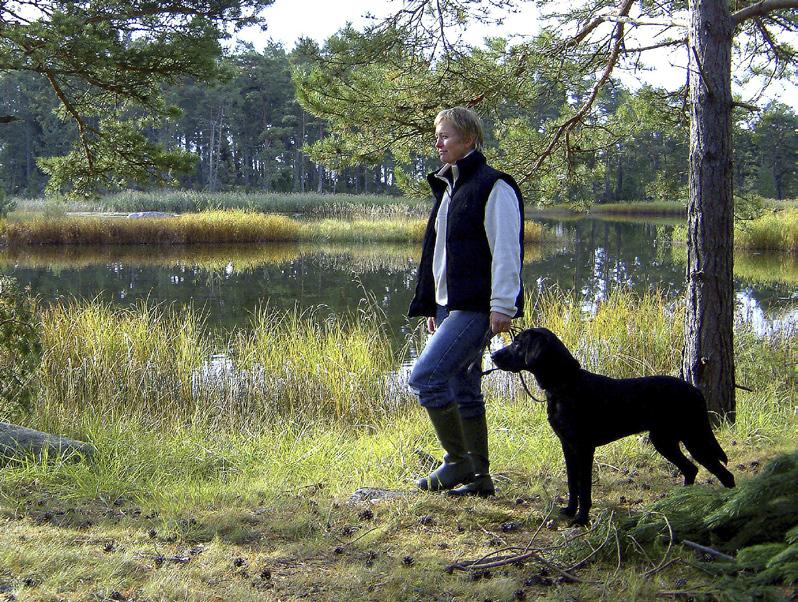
x: 468, y: 288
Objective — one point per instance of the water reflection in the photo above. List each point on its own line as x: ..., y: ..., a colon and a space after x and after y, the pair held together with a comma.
x: 229, y: 282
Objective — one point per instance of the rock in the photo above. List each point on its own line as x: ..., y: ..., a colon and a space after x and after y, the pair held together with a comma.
x: 141, y: 214
x: 18, y: 441
x: 371, y: 494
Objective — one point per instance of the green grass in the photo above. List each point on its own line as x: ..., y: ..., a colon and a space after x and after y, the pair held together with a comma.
x: 642, y: 208
x: 196, y: 493
x: 215, y: 227
x: 188, y: 201
x: 774, y: 231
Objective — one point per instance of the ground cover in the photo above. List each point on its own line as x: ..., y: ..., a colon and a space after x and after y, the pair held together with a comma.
x: 232, y: 477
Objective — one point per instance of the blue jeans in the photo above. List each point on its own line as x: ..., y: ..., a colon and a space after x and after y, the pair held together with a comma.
x: 441, y: 373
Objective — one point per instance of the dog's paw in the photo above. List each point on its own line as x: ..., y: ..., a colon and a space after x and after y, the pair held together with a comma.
x: 568, y: 511
x: 580, y: 521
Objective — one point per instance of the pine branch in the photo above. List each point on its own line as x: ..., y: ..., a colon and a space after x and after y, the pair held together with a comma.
x: 565, y: 128
x: 762, y: 8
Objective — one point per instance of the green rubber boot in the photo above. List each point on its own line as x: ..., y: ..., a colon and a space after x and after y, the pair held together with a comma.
x: 457, y: 466
x: 475, y: 431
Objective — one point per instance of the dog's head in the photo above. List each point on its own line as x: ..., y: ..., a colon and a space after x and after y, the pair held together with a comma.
x: 539, y: 351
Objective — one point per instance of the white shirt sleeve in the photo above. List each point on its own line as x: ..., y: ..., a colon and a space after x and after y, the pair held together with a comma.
x: 502, y: 226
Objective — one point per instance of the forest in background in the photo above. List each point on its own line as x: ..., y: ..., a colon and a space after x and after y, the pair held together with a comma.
x: 248, y: 132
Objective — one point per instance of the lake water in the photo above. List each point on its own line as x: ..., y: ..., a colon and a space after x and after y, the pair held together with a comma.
x: 229, y: 282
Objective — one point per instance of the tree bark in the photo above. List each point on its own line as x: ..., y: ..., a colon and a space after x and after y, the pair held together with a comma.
x: 708, y: 355
x: 19, y: 440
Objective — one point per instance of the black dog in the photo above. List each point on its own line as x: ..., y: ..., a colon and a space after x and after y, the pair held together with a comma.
x: 587, y: 410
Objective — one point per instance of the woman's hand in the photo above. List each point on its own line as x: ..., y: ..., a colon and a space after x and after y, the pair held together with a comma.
x: 499, y: 322
x: 431, y: 325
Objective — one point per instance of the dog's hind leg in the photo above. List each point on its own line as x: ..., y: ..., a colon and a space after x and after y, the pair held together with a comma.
x: 709, y: 460
x: 669, y: 448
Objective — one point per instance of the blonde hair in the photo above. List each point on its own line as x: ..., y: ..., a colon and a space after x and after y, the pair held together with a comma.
x: 465, y: 121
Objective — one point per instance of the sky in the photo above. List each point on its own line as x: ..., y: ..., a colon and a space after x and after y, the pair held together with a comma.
x: 288, y: 20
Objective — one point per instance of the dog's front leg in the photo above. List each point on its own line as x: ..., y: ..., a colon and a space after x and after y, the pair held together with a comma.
x: 573, y: 489
x: 584, y: 482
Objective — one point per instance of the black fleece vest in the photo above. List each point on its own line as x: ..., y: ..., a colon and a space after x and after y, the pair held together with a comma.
x: 468, y: 256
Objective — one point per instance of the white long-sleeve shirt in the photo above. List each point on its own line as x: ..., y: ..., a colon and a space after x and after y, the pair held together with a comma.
x: 502, y: 225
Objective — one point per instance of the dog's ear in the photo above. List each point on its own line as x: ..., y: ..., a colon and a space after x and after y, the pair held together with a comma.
x: 533, y: 343
x: 554, y: 363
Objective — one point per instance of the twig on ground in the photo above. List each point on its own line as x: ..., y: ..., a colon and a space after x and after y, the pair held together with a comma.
x: 706, y: 550
x: 582, y: 562
x: 664, y: 562
x: 491, y: 561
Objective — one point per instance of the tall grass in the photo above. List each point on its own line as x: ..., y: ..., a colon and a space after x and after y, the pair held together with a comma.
x: 773, y: 231
x: 360, y: 230
x: 216, y: 227
x: 189, y: 201
x: 623, y: 335
x: 642, y: 208
x: 160, y: 365
x: 207, y: 227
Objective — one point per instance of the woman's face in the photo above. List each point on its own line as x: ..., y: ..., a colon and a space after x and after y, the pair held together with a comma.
x: 450, y: 144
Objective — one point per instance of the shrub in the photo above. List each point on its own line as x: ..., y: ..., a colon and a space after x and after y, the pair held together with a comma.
x: 20, y: 348
x: 6, y: 204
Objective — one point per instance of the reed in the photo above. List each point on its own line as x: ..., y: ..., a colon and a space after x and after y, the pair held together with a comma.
x: 160, y: 364
x: 623, y: 334
x: 206, y: 227
x: 218, y: 227
x: 162, y: 367
x: 190, y: 201
x: 773, y: 231
x: 777, y: 231
x: 641, y: 208
x: 360, y: 230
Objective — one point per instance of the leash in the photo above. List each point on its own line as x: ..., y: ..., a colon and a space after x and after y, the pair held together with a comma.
x: 488, y: 336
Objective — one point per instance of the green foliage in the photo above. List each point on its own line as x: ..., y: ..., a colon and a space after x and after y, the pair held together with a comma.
x: 106, y: 61
x: 748, y: 207
x: 757, y: 521
x: 20, y: 350
x: 6, y: 204
x: 120, y: 157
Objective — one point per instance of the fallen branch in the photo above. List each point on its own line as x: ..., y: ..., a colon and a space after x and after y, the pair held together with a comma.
x: 706, y: 550
x: 492, y: 561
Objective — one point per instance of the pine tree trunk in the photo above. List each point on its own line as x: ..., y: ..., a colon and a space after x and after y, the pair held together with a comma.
x: 708, y: 356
